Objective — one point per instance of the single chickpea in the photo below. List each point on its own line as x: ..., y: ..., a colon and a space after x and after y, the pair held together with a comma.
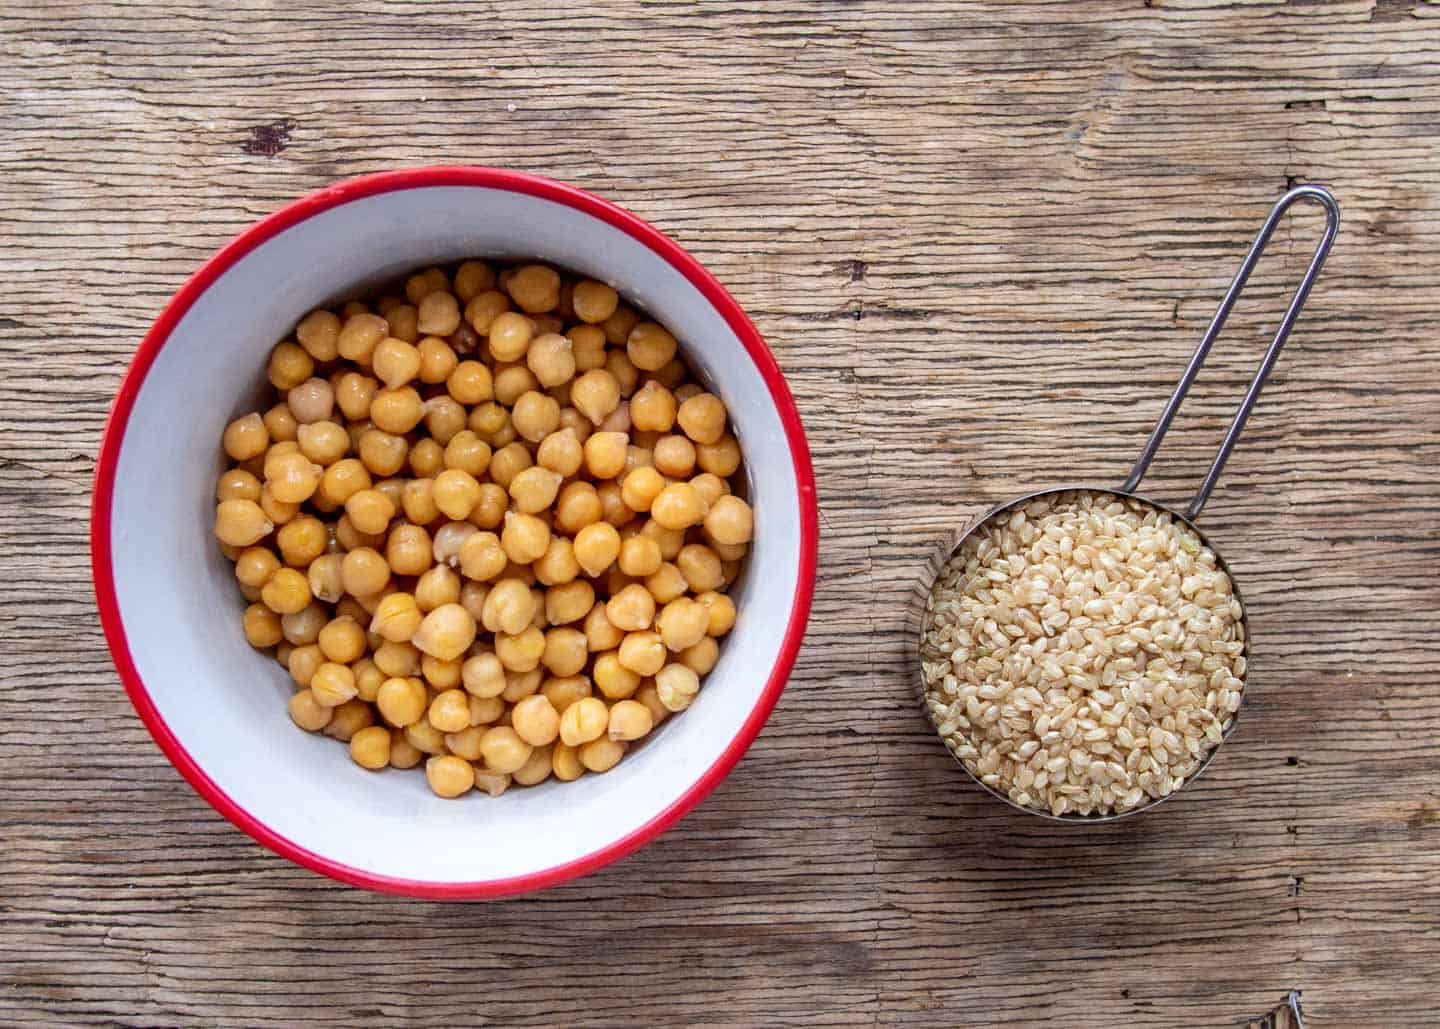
x: 237, y: 484
x: 594, y: 301
x: 595, y: 394
x: 652, y: 409
x: 303, y: 627
x: 605, y: 454
x: 381, y: 452
x: 449, y: 542
x: 551, y: 359
x: 262, y: 627
x: 350, y: 717
x: 323, y: 442
x: 473, y: 278
x: 396, y: 411
x: 319, y: 333
x: 533, y: 490
x: 481, y: 557
x: 583, y: 721
x: 642, y: 652
x: 503, y: 749
x: 456, y: 493
x: 535, y: 770
x: 702, y: 656
x: 403, y: 753
x: 618, y: 326
x: 446, y: 632
x: 313, y: 400
x: 682, y: 623
x: 343, y: 479
x: 674, y: 456
x: 520, y: 653
x: 650, y: 346
x: 422, y: 284
x: 279, y: 512
x: 467, y: 452
x: 602, y: 755
x: 568, y: 602
x: 324, y: 576
x: 490, y: 510
x: 425, y: 737
x: 483, y: 676
x: 342, y: 641
x: 350, y: 538
x: 363, y: 572
x: 558, y: 564
x: 472, y: 597
x: 450, y: 711
x: 701, y: 567
x: 599, y: 633
x: 482, y: 310
x: 676, y: 685
x: 303, y: 662
x: 629, y: 720
x: 640, y: 556
x: 666, y: 583
x: 535, y: 287
x: 678, y: 506
x: 525, y: 537
x: 671, y: 374
x: 486, y: 710
x: 519, y: 685
x: 563, y: 692
x: 465, y: 743
x: 333, y: 684
x: 360, y: 336
x: 561, y: 452
x: 370, y: 511
x: 640, y: 487
x: 509, y: 336
x: 631, y: 609
x: 289, y: 366
x: 354, y: 394
x: 612, y: 678
x: 408, y: 550
x: 441, y: 675
x: 596, y: 547
x: 437, y: 587
x: 370, y: 747
x: 417, y: 499
x: 403, y: 322
x: 275, y: 454
x: 246, y: 437
x: 308, y: 713
x: 491, y: 783
x: 508, y: 462
x: 535, y: 416
x: 702, y: 418
x: 368, y: 679
x: 710, y: 487
x: 577, y: 506
x: 255, y: 565
x: 293, y: 478
x: 287, y: 591
x: 449, y: 776
x: 509, y: 607
x: 535, y: 720
x: 395, y: 362
x: 438, y: 314
x: 401, y: 701
x: 612, y: 505
x: 565, y: 762
x: 437, y: 360
x: 565, y: 652
x: 444, y: 417
x: 650, y: 697
x: 730, y: 521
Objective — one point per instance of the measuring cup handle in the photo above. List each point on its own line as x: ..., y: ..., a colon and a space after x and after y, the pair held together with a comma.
x: 1315, y: 194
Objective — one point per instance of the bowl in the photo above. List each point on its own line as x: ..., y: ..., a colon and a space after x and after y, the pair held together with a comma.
x: 168, y: 599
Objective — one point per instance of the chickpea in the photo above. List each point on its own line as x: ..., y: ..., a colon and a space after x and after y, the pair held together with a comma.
x: 631, y: 609
x: 601, y: 755
x: 503, y: 749
x: 395, y: 362
x: 396, y: 411
x: 612, y: 678
x: 558, y: 564
x: 382, y: 453
x: 702, y: 656
x: 672, y: 374
x: 535, y: 720
x: 287, y: 592
x: 237, y: 484
x: 666, y: 583
x: 482, y: 309
x: 473, y: 278
x: 467, y: 452
x: 510, y: 334
x: 449, y: 776
x: 519, y: 685
x: 465, y: 743
x: 535, y: 287
x: 302, y: 663
x: 312, y: 400
x: 605, y: 454
x: 565, y: 652
x: 584, y: 720
x: 640, y: 488
x: 685, y: 391
x: 289, y: 366
x: 292, y: 477
x: 324, y: 577
x: 594, y: 301
x: 551, y: 359
x: 363, y: 572
x: 342, y: 640
x: 596, y: 547
x: 319, y: 333
x: 368, y: 679
x: 425, y: 737
x: 303, y: 627
x: 629, y: 720
x: 470, y: 383
x: 565, y: 762
x: 678, y: 506
x: 446, y: 632
x: 617, y: 327
x: 650, y: 697
x: 652, y: 409
x: 596, y: 394
x: 279, y: 512
x: 370, y: 747
x: 535, y: 770
x: 483, y: 676
x: 450, y: 711
x: 246, y: 437
x: 255, y: 565
x: 676, y: 686
x: 343, y: 479
x: 308, y: 713
x: 577, y: 506
x: 561, y: 452
x: 332, y: 684
x: 403, y: 753
x: 599, y: 633
x: 350, y: 538
x: 535, y: 416
x: 509, y: 607
x: 701, y: 567
x: 324, y: 443
x: 408, y: 550
x: 437, y: 587
x: 525, y: 537
x: 442, y: 675
x: 350, y: 718
x: 730, y: 521
x: 491, y: 783
x: 533, y: 490
x: 360, y: 336
x: 456, y: 493
x: 568, y: 602
x: 640, y: 556
x: 702, y: 418
x: 612, y: 505
x: 674, y: 456
x: 370, y: 511
x: 520, y: 653
x: 481, y: 556
x: 262, y: 627
x: 472, y: 597
x: 650, y: 346
x: 354, y: 393
x: 403, y: 322
x: 417, y: 499
x: 682, y: 623
x: 401, y: 701
x: 422, y: 284
x: 438, y: 314
x: 561, y: 693
x: 642, y: 652
x: 485, y: 710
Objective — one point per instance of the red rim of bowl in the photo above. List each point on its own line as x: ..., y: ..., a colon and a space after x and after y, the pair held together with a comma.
x: 307, y: 207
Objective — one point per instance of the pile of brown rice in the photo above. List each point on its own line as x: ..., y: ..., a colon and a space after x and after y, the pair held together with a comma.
x: 1084, y: 654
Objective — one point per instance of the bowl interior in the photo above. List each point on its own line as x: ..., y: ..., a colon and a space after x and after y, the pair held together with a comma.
x: 225, y: 703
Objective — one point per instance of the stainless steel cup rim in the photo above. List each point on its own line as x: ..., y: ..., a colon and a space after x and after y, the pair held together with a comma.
x: 1191, y: 512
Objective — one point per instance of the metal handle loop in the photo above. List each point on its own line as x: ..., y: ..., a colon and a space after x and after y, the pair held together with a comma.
x: 1316, y: 194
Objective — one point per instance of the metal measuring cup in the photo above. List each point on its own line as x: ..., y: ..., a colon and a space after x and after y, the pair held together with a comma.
x: 1192, y: 510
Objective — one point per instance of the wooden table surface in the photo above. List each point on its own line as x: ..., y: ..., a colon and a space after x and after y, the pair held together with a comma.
x: 982, y: 241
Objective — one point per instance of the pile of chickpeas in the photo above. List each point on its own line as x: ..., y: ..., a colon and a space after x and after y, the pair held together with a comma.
x: 487, y: 524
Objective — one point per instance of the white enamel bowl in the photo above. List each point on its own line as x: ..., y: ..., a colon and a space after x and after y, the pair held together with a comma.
x: 171, y: 611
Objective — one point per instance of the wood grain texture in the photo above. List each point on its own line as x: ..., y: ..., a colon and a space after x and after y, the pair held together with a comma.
x: 981, y: 240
